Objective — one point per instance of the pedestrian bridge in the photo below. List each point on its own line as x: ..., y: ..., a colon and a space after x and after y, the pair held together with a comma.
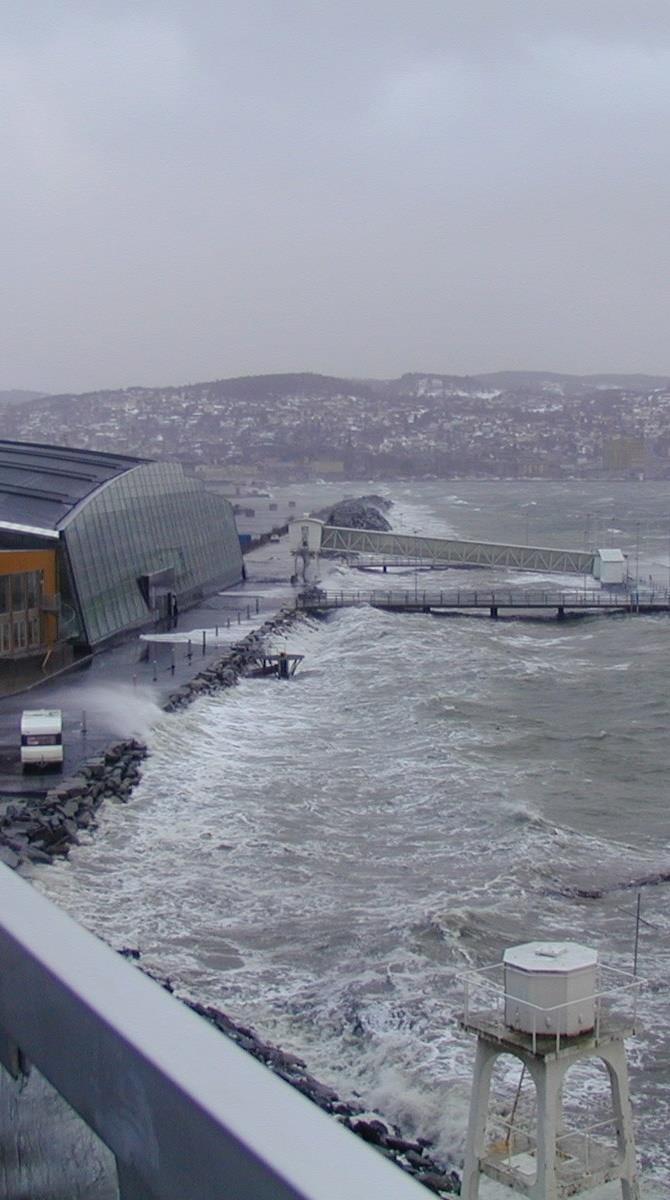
x: 501, y: 602
x: 311, y: 537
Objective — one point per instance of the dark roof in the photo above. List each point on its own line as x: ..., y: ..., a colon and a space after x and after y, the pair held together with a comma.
x: 40, y: 484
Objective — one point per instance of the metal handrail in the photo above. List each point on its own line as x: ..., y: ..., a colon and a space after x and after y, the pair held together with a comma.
x: 185, y: 1110
x: 588, y: 1136
x: 483, y: 598
x: 629, y: 985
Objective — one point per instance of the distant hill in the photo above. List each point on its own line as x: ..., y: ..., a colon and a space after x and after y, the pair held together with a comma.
x: 306, y: 384
x: 510, y: 380
x: 504, y: 424
x: 18, y: 396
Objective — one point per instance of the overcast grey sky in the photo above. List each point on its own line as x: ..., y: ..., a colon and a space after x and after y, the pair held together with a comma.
x: 364, y: 187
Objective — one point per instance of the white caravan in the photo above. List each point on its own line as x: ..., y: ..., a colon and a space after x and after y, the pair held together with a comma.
x: 42, y: 737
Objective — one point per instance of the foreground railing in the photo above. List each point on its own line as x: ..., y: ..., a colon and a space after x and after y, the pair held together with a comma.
x: 188, y: 1114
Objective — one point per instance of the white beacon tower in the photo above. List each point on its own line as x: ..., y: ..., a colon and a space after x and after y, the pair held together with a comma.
x: 304, y: 540
x: 550, y: 1005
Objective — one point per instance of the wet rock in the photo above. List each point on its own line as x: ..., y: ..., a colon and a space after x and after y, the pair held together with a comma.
x: 371, y: 1131
x: 286, y: 1062
x: 36, y: 855
x: 96, y: 768
x: 61, y: 848
x: 403, y: 1146
x: 74, y: 787
x: 442, y: 1183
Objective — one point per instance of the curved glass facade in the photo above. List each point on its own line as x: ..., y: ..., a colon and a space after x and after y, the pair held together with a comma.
x: 152, y: 522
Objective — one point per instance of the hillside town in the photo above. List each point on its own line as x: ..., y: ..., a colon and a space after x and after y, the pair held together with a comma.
x: 292, y: 427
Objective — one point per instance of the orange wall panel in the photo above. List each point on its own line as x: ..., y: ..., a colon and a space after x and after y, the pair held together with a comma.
x: 13, y: 562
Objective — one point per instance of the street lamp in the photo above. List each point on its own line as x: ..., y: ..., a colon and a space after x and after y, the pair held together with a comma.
x: 527, y: 507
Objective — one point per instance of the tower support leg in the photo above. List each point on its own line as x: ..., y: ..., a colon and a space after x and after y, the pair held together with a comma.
x: 548, y: 1074
x: 548, y: 1079
x: 614, y: 1057
x: 479, y: 1107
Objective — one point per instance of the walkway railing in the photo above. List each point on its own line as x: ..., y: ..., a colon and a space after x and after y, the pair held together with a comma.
x: 482, y: 598
x: 187, y: 1113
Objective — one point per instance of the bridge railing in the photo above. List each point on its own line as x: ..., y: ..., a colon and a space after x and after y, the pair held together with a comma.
x: 480, y: 598
x: 187, y: 1113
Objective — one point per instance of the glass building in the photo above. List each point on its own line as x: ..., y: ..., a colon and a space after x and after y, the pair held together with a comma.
x: 133, y: 538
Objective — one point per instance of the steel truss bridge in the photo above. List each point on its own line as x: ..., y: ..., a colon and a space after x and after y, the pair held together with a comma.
x: 454, y: 551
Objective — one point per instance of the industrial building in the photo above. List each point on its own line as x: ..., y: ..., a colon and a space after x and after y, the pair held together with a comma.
x: 95, y: 545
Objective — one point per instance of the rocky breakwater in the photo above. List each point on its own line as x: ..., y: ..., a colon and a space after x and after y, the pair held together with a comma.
x: 363, y: 513
x: 39, y: 830
x: 226, y: 671
x: 412, y: 1155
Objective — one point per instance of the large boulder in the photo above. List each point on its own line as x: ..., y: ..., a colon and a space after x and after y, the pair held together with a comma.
x: 357, y: 514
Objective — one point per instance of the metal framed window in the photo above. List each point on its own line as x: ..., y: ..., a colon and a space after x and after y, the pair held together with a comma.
x: 20, y: 633
x: 18, y: 584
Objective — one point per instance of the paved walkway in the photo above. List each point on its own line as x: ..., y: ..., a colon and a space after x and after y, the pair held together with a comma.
x: 119, y: 692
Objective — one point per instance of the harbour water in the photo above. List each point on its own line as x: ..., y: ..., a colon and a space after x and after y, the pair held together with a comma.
x: 323, y: 859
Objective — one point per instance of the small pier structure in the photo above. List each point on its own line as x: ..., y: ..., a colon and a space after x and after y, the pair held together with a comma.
x: 550, y: 1006
x: 281, y: 665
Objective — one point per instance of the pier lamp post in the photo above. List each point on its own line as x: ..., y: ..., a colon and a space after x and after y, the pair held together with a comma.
x: 527, y: 507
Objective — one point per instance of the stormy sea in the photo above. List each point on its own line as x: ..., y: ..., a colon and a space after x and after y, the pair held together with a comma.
x: 323, y: 859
